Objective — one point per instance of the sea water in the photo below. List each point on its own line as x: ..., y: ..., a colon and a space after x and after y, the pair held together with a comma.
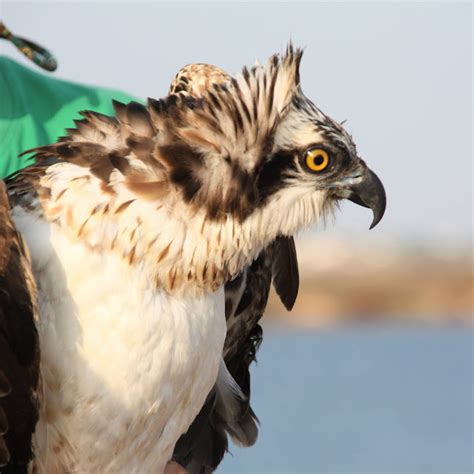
x: 363, y: 399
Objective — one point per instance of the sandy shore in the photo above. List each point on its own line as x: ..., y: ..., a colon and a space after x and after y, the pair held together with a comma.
x: 388, y: 282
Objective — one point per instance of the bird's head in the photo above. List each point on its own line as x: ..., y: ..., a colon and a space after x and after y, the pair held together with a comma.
x: 265, y: 149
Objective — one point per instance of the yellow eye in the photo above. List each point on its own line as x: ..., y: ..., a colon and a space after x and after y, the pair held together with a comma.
x: 317, y: 159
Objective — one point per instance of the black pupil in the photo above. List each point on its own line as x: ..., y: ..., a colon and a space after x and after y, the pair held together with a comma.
x: 318, y: 160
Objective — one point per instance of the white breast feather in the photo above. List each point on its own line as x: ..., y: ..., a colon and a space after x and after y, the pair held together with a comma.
x: 125, y: 366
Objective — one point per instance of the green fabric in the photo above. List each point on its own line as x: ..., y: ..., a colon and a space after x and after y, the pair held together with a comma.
x: 35, y: 109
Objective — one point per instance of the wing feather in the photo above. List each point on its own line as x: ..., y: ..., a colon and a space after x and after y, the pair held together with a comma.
x: 285, y: 273
x: 19, y: 352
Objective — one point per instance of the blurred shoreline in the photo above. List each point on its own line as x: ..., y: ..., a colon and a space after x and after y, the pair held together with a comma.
x: 341, y: 282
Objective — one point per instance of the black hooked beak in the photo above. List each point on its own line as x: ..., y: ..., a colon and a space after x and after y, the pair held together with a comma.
x: 370, y: 193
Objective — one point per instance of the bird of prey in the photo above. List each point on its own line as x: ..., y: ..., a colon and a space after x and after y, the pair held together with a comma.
x: 145, y: 230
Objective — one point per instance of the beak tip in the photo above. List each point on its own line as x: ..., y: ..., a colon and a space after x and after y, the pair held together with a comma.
x: 378, y: 212
x: 375, y: 221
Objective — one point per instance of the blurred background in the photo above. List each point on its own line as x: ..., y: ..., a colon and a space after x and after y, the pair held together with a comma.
x: 372, y: 370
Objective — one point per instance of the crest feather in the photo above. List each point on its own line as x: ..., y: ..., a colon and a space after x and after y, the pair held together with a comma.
x: 236, y: 118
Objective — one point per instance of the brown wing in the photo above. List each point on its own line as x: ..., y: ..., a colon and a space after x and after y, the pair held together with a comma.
x: 202, y: 448
x: 19, y: 353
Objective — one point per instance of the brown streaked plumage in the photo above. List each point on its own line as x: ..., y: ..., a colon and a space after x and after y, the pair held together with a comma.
x: 155, y: 147
x: 196, y: 79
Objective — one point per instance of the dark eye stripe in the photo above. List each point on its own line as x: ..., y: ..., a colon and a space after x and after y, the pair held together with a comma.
x: 272, y: 173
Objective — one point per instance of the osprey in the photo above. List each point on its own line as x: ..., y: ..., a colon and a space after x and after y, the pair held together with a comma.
x: 145, y: 230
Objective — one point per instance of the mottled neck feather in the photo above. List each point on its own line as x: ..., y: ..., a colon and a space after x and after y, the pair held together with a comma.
x: 178, y: 249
